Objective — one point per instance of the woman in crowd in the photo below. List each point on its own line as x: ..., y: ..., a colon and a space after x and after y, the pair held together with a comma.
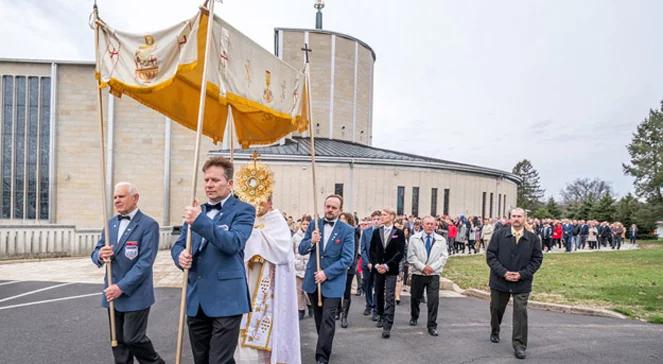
x: 300, y: 268
x: 452, y: 234
x: 633, y: 233
x: 557, y: 234
x: 461, y: 238
x: 344, y: 305
x: 592, y: 238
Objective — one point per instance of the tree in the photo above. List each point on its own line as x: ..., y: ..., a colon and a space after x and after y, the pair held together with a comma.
x: 646, y: 152
x: 530, y: 192
x: 553, y: 208
x: 626, y: 209
x: 583, y: 189
x: 541, y: 213
x: 604, y: 209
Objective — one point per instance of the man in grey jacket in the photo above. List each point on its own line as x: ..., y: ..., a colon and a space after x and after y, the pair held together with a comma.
x: 427, y: 254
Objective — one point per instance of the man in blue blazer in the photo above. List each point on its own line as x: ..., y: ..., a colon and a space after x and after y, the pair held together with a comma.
x: 134, y: 239
x: 367, y: 267
x: 217, y: 291
x: 336, y: 254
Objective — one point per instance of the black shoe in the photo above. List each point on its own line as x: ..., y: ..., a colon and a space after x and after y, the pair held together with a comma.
x: 494, y: 339
x: 344, y: 321
x: 359, y: 292
x: 413, y: 322
x: 432, y: 331
x: 380, y: 323
x: 301, y: 314
x: 519, y: 353
x: 398, y: 302
x: 374, y: 317
x: 386, y: 334
x: 367, y: 311
x: 310, y: 311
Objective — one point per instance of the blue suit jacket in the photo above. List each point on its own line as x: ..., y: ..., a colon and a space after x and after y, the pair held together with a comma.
x: 131, y: 272
x: 335, y: 259
x: 366, y: 245
x: 217, y: 278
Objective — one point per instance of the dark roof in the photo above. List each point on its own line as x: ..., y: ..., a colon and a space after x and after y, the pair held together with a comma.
x: 334, y: 150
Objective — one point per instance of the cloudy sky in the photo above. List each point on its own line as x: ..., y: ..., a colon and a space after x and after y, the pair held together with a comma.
x: 563, y: 83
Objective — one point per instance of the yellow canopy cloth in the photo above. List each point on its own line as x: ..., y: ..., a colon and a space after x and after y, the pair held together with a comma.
x: 163, y: 70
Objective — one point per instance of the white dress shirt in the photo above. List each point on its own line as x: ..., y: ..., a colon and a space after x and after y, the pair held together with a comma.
x: 124, y: 223
x: 327, y: 233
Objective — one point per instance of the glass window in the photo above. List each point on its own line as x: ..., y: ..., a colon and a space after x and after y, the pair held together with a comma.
x: 7, y: 127
x: 338, y: 189
x: 19, y: 147
x: 400, y: 200
x: 433, y: 202
x: 483, y: 205
x: 446, y: 201
x: 490, y: 209
x: 504, y: 205
x: 44, y: 146
x: 31, y: 172
x: 499, y: 205
x: 415, y: 201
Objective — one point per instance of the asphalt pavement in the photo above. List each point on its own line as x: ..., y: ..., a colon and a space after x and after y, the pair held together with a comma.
x: 53, y: 322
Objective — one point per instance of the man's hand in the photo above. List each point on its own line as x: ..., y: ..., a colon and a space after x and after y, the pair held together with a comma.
x: 512, y: 276
x: 428, y: 270
x: 185, y: 259
x: 320, y: 277
x: 105, y: 253
x: 192, y: 212
x: 381, y: 268
x: 370, y: 267
x: 315, y: 237
x: 112, y: 292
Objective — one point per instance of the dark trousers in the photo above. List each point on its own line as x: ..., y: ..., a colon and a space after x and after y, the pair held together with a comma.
x: 432, y: 286
x: 498, y: 302
x: 369, y: 281
x: 325, y: 325
x: 213, y: 339
x: 130, y: 328
x: 385, y: 293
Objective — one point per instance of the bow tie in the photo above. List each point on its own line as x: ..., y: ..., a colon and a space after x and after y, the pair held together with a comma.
x: 210, y: 207
x: 327, y: 222
x: 122, y: 217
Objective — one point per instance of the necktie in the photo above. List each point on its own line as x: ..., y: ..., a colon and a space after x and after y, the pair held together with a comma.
x: 428, y: 245
x: 330, y: 223
x: 122, y: 217
x: 386, y: 235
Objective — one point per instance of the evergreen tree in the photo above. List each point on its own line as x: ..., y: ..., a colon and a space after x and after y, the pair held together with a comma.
x: 530, y: 192
x: 646, y: 152
x: 553, y: 208
x: 604, y: 209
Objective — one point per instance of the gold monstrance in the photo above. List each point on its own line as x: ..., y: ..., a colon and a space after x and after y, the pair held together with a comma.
x: 254, y: 182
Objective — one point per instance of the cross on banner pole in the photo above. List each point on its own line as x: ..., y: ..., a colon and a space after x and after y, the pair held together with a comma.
x: 316, y: 228
x: 194, y: 178
x: 104, y: 198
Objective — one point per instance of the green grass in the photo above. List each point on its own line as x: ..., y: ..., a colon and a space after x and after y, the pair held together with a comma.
x: 629, y: 282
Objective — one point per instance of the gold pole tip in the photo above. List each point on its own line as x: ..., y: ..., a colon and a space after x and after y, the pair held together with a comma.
x: 114, y: 343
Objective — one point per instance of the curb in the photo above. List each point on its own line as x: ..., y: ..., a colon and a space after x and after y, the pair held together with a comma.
x: 545, y: 306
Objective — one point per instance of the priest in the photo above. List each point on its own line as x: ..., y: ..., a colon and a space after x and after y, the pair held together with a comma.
x: 270, y: 332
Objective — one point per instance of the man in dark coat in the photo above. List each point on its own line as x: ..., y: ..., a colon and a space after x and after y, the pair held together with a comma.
x: 513, y: 255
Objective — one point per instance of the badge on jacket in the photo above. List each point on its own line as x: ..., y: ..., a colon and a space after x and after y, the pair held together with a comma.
x: 131, y: 250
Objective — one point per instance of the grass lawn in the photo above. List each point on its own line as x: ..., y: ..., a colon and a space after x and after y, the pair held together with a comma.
x: 629, y: 282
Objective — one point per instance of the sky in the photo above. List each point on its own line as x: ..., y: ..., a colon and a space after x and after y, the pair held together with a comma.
x: 563, y: 83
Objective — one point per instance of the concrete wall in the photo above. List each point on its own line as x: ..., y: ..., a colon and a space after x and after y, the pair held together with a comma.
x: 341, y: 82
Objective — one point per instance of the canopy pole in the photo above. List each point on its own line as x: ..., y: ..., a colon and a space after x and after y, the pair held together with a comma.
x: 194, y: 178
x: 231, y: 121
x: 316, y: 227
x: 104, y: 198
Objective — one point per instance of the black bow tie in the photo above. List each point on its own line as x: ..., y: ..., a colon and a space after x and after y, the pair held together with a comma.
x: 327, y: 222
x: 122, y: 217
x: 210, y: 207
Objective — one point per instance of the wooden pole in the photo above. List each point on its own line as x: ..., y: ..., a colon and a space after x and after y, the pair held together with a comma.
x: 316, y: 226
x: 194, y: 178
x: 104, y: 198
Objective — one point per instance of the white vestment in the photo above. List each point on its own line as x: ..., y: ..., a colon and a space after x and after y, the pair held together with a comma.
x: 270, y: 333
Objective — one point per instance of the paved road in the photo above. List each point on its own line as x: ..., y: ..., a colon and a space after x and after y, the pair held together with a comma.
x: 75, y: 331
